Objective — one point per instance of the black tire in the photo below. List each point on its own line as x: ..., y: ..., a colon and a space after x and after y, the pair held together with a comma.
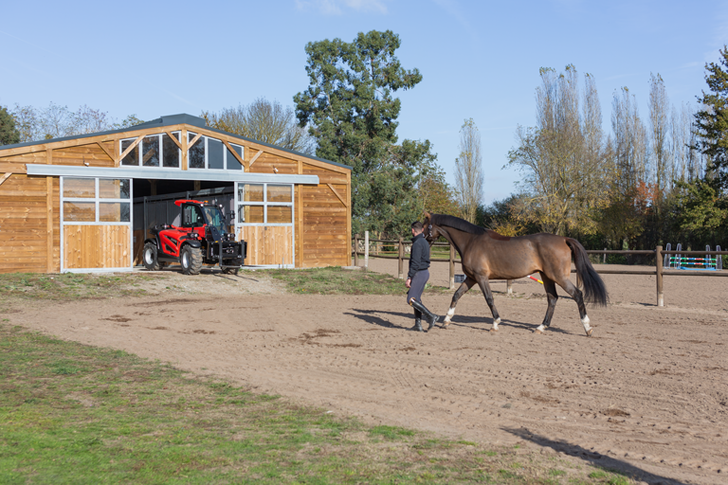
x: 232, y: 271
x: 149, y: 257
x: 191, y: 260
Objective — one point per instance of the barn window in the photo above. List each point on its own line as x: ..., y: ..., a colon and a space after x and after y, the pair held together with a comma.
x: 153, y: 151
x: 96, y: 200
x: 212, y: 154
x: 265, y: 204
x: 160, y: 150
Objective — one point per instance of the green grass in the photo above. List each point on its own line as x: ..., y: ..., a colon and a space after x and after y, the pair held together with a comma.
x: 71, y: 413
x: 72, y: 286
x: 337, y: 281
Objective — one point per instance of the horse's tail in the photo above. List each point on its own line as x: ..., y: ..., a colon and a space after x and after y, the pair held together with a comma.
x: 594, y: 289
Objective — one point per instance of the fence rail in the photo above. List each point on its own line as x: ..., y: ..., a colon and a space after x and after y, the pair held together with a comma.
x: 659, y: 272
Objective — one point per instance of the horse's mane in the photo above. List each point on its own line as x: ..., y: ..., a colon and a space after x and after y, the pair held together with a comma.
x: 456, y: 223
x: 465, y: 226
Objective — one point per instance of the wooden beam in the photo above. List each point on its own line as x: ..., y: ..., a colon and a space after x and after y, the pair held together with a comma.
x: 49, y: 156
x: 5, y: 177
x: 108, y: 153
x: 260, y: 152
x: 174, y: 139
x: 235, y: 153
x: 129, y: 148
x: 49, y: 225
x: 337, y: 195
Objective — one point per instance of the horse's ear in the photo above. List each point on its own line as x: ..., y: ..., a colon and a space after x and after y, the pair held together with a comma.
x: 427, y: 215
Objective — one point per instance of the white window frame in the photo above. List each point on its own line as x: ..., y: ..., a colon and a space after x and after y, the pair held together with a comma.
x: 204, y: 139
x: 265, y: 204
x: 140, y: 151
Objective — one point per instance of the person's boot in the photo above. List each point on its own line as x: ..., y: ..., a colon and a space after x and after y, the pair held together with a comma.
x: 429, y: 316
x: 418, y: 321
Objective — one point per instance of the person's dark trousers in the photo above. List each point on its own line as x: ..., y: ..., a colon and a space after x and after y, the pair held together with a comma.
x: 414, y: 295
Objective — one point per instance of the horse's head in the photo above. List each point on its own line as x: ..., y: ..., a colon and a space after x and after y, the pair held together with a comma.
x: 429, y: 230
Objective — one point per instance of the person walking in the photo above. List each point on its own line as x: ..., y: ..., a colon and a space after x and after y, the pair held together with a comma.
x: 417, y: 277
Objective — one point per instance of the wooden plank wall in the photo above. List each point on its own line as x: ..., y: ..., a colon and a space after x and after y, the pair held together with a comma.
x: 24, y: 225
x: 268, y: 245
x: 325, y: 221
x: 90, y: 246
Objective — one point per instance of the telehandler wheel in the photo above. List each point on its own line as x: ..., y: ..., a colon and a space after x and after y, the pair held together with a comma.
x: 149, y: 257
x: 191, y: 260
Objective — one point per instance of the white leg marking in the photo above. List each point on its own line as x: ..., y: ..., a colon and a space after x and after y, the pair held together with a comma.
x: 585, y: 321
x: 495, y: 323
x: 540, y: 328
x: 449, y: 316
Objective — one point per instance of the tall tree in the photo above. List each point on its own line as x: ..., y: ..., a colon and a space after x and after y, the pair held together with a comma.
x: 621, y: 221
x: 712, y: 120
x: 563, y: 158
x: 9, y: 134
x: 350, y: 109
x: 265, y: 121
x: 660, y: 124
x: 469, y: 175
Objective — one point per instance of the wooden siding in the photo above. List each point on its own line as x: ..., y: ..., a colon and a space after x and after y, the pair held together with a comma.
x: 325, y: 239
x: 25, y: 229
x: 91, y: 246
x: 268, y: 245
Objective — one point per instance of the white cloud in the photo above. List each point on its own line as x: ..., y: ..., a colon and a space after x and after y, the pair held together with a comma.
x: 338, y: 7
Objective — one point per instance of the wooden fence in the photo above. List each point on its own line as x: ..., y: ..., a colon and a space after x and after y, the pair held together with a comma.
x: 659, y: 272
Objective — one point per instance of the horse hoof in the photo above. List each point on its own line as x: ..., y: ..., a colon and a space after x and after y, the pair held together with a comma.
x: 493, y: 330
x: 589, y: 332
x: 538, y: 332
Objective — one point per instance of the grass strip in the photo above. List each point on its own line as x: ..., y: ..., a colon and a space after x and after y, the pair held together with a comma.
x: 71, y: 413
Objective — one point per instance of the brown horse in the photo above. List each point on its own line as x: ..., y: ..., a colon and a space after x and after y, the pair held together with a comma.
x: 487, y: 255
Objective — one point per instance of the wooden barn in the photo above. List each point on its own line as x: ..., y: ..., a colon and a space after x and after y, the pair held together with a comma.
x: 83, y: 203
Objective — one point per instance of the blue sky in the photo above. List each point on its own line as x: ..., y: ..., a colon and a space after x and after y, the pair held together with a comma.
x: 479, y: 59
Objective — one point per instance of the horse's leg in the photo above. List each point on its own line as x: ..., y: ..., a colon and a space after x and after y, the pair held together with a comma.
x: 552, y: 296
x: 464, y: 287
x: 578, y: 297
x: 485, y: 287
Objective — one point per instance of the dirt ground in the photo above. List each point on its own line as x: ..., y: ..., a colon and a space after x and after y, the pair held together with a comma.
x: 647, y: 394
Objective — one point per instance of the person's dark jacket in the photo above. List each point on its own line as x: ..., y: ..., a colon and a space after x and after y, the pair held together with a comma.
x: 420, y: 256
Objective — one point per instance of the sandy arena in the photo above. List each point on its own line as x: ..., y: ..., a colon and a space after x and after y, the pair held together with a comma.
x: 647, y: 394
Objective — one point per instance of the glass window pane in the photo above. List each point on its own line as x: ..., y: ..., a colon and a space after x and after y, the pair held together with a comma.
x: 196, y: 153
x: 250, y: 213
x: 170, y: 151
x: 79, y: 211
x: 279, y: 193
x: 250, y: 193
x: 232, y: 162
x: 150, y: 151
x: 114, y: 212
x: 133, y: 157
x: 114, y: 188
x: 280, y: 214
x: 77, y: 187
x: 215, y: 154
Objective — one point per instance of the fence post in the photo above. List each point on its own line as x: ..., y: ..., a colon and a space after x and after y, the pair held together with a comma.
x: 400, y: 257
x: 451, y: 265
x: 356, y: 250
x: 366, y: 250
x: 658, y: 267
